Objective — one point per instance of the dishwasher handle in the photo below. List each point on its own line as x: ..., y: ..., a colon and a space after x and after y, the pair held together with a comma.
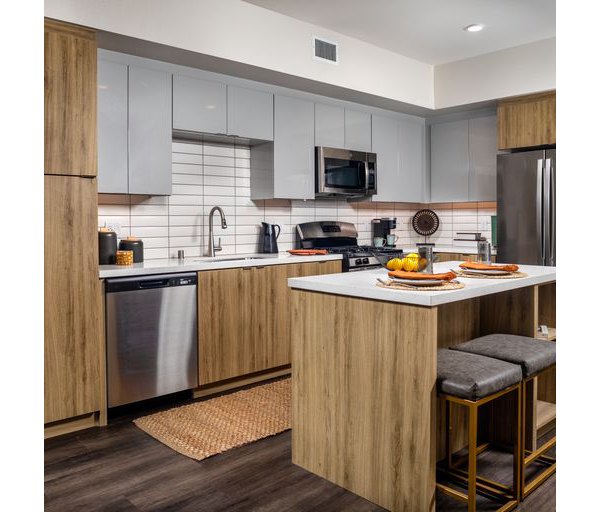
x: 154, y: 283
x: 149, y: 282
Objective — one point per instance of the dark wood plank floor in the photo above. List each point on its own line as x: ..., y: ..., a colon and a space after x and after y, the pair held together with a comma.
x: 120, y: 468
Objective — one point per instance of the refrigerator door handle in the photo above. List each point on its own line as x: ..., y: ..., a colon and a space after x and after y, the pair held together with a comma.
x: 539, y: 209
x: 550, y: 208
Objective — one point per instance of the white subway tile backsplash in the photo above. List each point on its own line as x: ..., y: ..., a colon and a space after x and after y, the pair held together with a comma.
x: 223, y: 161
x: 187, y: 147
x: 149, y: 220
x: 186, y: 158
x: 149, y: 209
x: 188, y: 179
x: 187, y: 169
x: 154, y: 231
x: 219, y: 150
x: 211, y: 174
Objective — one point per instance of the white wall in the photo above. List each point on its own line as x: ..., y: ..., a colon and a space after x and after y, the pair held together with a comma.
x: 520, y: 70
x: 242, y: 32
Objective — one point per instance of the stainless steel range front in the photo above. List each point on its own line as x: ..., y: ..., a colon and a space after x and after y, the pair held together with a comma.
x: 342, y: 238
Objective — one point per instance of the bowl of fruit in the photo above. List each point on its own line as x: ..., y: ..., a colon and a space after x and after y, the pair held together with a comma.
x: 410, y: 263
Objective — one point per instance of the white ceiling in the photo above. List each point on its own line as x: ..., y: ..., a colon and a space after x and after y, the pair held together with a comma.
x: 428, y: 30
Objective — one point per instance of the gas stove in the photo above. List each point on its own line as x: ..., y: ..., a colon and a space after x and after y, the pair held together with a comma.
x: 342, y: 238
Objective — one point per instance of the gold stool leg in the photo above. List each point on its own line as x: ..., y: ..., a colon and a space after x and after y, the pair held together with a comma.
x: 449, y: 433
x: 472, y: 489
x: 518, y: 446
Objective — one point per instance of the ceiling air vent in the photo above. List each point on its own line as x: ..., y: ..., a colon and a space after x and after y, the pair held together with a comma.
x: 325, y: 50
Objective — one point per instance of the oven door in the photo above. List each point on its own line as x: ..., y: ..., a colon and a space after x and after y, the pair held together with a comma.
x: 343, y: 172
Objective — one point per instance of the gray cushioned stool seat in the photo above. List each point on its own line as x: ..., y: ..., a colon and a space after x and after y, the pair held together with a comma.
x: 532, y: 355
x: 472, y: 376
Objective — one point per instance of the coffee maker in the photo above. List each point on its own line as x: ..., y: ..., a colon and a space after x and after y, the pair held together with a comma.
x: 383, y: 227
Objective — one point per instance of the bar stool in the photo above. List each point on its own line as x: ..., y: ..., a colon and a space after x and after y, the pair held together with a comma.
x: 471, y: 381
x: 534, y: 357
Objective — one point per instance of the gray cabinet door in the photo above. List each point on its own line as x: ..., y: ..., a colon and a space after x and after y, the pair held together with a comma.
x: 149, y: 131
x: 249, y: 113
x: 358, y: 130
x: 329, y: 126
x: 112, y: 127
x: 482, y: 158
x: 450, y: 161
x: 294, y: 148
x: 385, y: 145
x: 411, y: 142
x: 199, y: 105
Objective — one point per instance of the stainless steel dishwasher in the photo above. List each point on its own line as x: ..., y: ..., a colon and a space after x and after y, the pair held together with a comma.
x: 151, y: 336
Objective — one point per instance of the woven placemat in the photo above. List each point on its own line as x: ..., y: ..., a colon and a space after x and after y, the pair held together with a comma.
x: 203, y: 429
x: 395, y: 285
x: 514, y: 275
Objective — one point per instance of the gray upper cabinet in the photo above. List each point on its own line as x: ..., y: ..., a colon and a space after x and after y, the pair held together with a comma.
x: 149, y: 131
x: 386, y: 145
x: 401, y: 169
x: 450, y: 161
x: 357, y: 130
x: 482, y: 158
x: 329, y: 126
x: 199, y: 105
x: 411, y: 137
x: 294, y: 148
x: 112, y: 128
x: 249, y: 113
x: 463, y: 160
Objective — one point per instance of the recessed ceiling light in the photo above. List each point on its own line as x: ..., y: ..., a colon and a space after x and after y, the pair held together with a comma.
x: 475, y: 27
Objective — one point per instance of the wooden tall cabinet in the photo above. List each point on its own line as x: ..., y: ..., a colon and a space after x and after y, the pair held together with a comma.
x: 527, y: 121
x: 72, y: 324
x: 71, y: 298
x: 69, y: 100
x: 244, y: 318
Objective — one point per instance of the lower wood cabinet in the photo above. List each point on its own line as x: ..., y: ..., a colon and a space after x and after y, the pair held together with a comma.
x: 72, y: 306
x: 244, y: 318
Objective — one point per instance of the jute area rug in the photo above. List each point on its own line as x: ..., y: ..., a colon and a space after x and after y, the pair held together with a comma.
x: 203, y: 429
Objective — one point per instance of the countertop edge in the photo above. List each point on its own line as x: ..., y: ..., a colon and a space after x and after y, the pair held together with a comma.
x: 420, y: 298
x: 151, y: 267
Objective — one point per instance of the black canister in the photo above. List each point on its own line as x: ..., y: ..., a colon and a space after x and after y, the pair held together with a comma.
x: 107, y: 246
x: 135, y: 245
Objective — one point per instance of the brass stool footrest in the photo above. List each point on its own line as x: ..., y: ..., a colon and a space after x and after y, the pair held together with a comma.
x: 487, y: 488
x: 532, y: 456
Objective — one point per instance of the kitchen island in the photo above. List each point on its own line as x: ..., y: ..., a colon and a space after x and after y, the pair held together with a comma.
x: 365, y: 412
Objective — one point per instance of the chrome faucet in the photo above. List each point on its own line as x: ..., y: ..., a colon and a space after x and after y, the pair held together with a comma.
x: 211, y: 239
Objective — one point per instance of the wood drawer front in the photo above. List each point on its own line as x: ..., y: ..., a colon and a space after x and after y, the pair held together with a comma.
x: 527, y: 121
x: 71, y: 298
x: 69, y: 100
x: 244, y: 318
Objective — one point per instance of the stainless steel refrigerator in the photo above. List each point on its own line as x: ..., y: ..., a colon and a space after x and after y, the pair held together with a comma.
x: 527, y: 207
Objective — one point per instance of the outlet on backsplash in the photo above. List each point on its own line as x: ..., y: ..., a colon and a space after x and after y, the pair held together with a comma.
x: 114, y: 226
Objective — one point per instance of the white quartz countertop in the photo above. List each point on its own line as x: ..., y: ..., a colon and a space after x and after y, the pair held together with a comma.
x: 363, y: 284
x: 167, y: 266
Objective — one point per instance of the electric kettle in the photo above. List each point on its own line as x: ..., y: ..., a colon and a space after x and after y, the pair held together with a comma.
x: 268, y: 239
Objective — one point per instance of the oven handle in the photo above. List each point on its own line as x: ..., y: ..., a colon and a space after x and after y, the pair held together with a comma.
x: 366, y: 176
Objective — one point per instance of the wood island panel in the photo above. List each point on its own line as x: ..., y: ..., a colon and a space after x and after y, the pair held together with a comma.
x: 363, y: 377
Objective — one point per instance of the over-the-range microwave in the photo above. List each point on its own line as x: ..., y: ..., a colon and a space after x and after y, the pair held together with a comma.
x: 344, y: 173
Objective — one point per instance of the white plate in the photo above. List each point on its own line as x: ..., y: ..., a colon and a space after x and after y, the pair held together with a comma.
x: 415, y: 282
x: 485, y: 272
